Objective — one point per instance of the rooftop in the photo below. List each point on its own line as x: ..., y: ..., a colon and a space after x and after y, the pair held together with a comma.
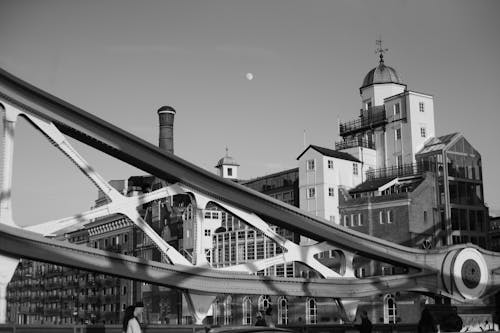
x: 331, y: 153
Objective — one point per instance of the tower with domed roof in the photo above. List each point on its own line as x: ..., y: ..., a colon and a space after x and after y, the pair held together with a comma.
x: 393, y: 122
x: 228, y: 167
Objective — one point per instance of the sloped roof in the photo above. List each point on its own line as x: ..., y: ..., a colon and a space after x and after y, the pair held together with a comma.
x: 371, y: 185
x: 438, y: 143
x: 331, y: 153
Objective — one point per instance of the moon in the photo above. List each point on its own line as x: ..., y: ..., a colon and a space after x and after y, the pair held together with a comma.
x: 249, y: 76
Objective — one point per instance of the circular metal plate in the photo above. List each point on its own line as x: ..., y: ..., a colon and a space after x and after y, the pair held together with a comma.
x: 470, y: 273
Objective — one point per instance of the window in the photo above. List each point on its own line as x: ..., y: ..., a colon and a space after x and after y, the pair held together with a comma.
x: 228, y: 315
x: 368, y: 104
x: 397, y: 110
x: 399, y: 161
x: 360, y: 219
x: 282, y: 311
x: 311, y: 192
x: 390, y: 216
x: 311, y: 311
x: 381, y: 217
x: 390, y: 310
x: 331, y: 192
x: 398, y: 134
x: 263, y: 303
x: 425, y: 216
x: 346, y: 220
x: 310, y: 164
x: 421, y: 106
x: 330, y: 164
x: 229, y: 171
x: 355, y: 168
x: 422, y: 132
x: 386, y: 270
x: 247, y: 311
x: 207, y: 232
x: 332, y: 218
x: 353, y: 220
x: 360, y: 272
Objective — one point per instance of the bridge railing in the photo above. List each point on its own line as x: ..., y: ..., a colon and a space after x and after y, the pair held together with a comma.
x: 319, y: 328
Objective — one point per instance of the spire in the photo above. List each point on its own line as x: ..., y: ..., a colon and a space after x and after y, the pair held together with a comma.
x: 380, y: 49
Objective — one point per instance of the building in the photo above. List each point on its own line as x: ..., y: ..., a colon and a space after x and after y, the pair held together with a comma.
x: 390, y: 177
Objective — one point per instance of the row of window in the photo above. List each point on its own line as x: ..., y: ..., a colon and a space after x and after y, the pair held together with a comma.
x: 311, y: 192
x: 222, y: 313
x: 111, y: 241
x: 397, y: 133
x: 311, y: 165
x: 397, y: 108
x: 353, y: 220
x: 463, y: 239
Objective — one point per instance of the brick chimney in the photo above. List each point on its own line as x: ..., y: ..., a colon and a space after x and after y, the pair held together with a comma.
x: 166, y: 115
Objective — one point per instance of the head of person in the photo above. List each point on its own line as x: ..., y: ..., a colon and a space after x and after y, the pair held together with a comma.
x: 129, y: 314
x: 364, y: 314
x: 138, y: 308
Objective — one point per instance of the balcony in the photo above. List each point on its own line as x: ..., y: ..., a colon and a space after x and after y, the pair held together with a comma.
x: 111, y: 299
x: 94, y: 299
x: 370, y: 119
x: 359, y: 142
x: 51, y: 312
x: 114, y: 248
x: 404, y: 170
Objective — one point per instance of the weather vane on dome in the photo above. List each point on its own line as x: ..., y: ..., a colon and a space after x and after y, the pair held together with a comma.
x: 380, y: 49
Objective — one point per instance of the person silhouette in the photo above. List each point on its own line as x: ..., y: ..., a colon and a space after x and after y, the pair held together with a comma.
x: 260, y: 320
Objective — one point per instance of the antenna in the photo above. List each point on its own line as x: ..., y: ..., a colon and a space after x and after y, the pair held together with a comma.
x: 304, y: 139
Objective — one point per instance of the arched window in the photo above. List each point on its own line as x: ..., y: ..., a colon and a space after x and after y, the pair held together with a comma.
x: 311, y: 311
x: 263, y: 303
x: 390, y: 310
x: 216, y: 311
x: 228, y: 314
x: 282, y: 311
x: 247, y: 311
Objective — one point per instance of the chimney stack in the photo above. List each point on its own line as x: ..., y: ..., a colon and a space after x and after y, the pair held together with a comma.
x: 166, y: 115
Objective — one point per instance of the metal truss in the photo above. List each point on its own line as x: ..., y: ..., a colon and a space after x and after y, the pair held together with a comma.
x: 464, y: 272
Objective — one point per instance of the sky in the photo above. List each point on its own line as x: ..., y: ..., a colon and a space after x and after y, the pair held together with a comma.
x: 122, y: 60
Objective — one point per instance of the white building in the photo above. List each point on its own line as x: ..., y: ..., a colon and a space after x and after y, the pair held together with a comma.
x: 321, y: 172
x: 228, y: 167
x: 392, y: 127
x: 393, y: 122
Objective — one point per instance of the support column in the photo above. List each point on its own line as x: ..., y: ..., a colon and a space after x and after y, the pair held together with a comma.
x: 9, y: 123
x: 348, y: 308
x: 7, y: 264
x: 199, y: 257
x: 7, y: 268
x: 198, y: 305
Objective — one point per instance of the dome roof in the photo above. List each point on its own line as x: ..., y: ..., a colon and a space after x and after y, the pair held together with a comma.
x: 381, y: 74
x: 226, y: 160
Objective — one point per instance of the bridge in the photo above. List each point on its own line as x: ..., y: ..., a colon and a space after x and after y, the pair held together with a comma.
x: 462, y: 272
